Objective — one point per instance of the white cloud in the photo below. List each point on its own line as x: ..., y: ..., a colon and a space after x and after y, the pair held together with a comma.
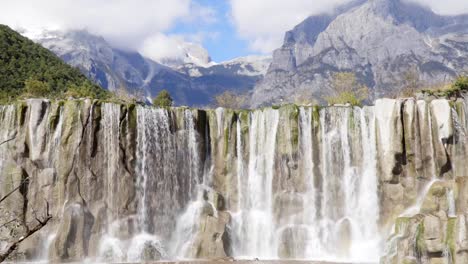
x: 446, y: 7
x: 126, y: 24
x: 263, y: 22
x: 175, y: 49
x: 160, y: 46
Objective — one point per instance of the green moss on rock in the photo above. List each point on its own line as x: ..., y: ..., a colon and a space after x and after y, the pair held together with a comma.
x: 450, y: 238
x: 420, y: 243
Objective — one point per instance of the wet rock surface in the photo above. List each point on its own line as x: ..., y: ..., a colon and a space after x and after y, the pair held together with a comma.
x: 293, y: 182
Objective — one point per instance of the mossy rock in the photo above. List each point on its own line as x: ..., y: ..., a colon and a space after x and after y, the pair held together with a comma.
x: 451, y: 236
x: 132, y: 116
x: 289, y: 114
x: 54, y: 115
x: 420, y: 243
x: 435, y: 198
x: 410, y: 260
x: 400, y: 223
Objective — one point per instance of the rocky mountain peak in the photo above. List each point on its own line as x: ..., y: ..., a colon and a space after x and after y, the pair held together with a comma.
x: 378, y: 40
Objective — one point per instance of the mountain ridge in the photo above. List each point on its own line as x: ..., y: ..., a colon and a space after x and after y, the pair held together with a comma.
x: 189, y: 83
x: 374, y: 39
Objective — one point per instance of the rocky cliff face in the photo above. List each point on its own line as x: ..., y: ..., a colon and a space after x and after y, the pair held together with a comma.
x: 133, y: 183
x: 378, y: 40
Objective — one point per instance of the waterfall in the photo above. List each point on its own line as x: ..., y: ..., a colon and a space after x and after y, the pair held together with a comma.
x: 334, y: 147
x: 187, y: 223
x: 111, y: 127
x: 7, y: 132
x: 349, y: 203
x: 257, y: 208
x: 37, y: 126
x: 168, y: 177
x: 339, y: 215
x: 219, y: 120
x: 156, y: 170
x: 297, y: 183
x: 365, y: 213
x: 193, y: 152
x: 57, y: 135
x: 110, y: 247
x: 309, y: 220
x: 240, y: 163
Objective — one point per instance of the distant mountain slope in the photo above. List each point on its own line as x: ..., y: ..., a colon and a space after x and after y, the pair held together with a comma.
x: 378, y: 40
x: 188, y: 83
x: 22, y: 59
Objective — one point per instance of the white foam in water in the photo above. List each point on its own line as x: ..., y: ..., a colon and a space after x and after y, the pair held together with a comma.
x: 187, y: 225
x: 258, y: 230
x: 111, y: 249
x: 144, y: 244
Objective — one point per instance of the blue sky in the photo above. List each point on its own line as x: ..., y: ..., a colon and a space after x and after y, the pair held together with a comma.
x: 222, y: 40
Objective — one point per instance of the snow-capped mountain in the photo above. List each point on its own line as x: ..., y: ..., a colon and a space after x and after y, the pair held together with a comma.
x: 253, y: 66
x: 192, y: 79
x: 189, y: 53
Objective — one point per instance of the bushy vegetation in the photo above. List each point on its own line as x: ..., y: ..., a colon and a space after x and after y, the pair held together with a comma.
x: 231, y: 100
x: 163, y: 99
x: 347, y: 89
x: 29, y: 70
x: 455, y: 89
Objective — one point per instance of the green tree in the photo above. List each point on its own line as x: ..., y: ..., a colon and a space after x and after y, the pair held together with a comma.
x: 163, y: 99
x: 81, y: 91
x: 461, y: 83
x: 347, y: 89
x: 28, y: 68
x: 36, y: 88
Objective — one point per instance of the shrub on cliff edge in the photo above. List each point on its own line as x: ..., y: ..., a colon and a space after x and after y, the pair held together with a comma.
x: 163, y: 99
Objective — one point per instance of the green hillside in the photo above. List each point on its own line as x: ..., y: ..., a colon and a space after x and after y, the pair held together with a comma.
x: 29, y: 70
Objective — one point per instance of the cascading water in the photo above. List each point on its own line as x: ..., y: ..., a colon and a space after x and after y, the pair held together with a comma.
x: 349, y: 202
x: 256, y: 216
x: 298, y: 182
x: 365, y: 212
x: 155, y: 152
x: 193, y: 152
x: 338, y: 216
x: 111, y: 125
x: 240, y: 163
x: 110, y: 247
x: 7, y: 132
x: 57, y: 135
x: 156, y: 169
